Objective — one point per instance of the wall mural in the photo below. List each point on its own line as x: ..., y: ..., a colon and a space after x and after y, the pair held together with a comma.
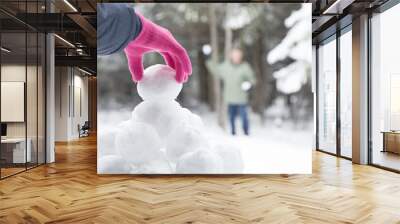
x: 224, y: 85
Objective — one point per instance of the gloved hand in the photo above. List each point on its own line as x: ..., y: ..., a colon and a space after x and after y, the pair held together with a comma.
x: 155, y: 38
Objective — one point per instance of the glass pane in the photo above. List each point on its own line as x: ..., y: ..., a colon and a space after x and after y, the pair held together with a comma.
x: 23, y: 83
x: 346, y: 94
x: 386, y: 89
x: 32, y: 86
x: 327, y: 96
x: 31, y: 97
x: 41, y: 99
x: 13, y: 88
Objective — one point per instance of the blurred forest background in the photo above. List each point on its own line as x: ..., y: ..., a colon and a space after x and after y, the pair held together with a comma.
x: 276, y: 41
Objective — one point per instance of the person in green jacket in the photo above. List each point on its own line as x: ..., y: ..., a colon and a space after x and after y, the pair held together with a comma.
x: 237, y: 77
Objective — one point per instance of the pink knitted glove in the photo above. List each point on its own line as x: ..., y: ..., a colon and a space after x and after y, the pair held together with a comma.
x: 156, y: 38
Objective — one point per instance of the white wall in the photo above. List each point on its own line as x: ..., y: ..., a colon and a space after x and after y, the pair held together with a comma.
x: 70, y: 83
x: 34, y: 125
x: 10, y: 73
x: 12, y: 100
x: 79, y: 115
x: 62, y: 80
x: 18, y: 73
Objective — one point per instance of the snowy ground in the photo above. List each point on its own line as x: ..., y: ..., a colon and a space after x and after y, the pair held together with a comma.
x: 270, y: 149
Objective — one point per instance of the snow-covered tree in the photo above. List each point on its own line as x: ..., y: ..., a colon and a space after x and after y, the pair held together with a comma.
x: 297, y: 46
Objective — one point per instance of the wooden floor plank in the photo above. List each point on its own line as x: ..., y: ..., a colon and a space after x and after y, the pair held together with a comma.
x: 70, y: 191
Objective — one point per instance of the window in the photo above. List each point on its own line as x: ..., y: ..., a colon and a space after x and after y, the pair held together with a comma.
x: 385, y: 89
x: 327, y: 96
x: 22, y: 88
x: 346, y: 94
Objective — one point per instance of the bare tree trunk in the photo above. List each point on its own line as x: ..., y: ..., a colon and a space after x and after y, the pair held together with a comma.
x: 228, y: 47
x: 203, y: 78
x: 228, y: 41
x: 259, y: 91
x: 215, y: 50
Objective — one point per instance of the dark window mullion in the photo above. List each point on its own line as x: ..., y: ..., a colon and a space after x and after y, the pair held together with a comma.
x: 37, y: 90
x: 26, y: 86
x: 0, y: 94
x: 317, y: 95
x: 338, y: 98
x: 44, y: 69
x: 369, y: 95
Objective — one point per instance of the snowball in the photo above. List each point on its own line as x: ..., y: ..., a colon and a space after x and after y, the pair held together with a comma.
x: 199, y: 162
x: 184, y: 138
x: 159, y: 83
x: 112, y: 164
x: 246, y: 85
x: 105, y: 141
x: 137, y: 142
x: 231, y: 156
x: 192, y: 119
x: 163, y: 116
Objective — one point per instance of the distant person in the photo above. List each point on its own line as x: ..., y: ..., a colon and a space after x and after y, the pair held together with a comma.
x: 237, y: 77
x: 119, y: 28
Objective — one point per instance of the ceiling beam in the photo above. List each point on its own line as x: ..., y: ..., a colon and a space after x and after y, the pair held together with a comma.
x: 320, y: 22
x: 84, y: 24
x: 337, y: 7
x: 49, y: 22
x: 81, y: 61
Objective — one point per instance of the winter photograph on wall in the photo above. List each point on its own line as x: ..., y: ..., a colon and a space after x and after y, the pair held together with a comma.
x: 205, y: 88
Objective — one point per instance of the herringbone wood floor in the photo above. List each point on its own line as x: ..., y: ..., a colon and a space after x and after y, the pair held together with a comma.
x: 70, y: 191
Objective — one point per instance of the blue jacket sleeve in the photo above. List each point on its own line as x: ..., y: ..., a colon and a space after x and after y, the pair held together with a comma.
x: 117, y: 25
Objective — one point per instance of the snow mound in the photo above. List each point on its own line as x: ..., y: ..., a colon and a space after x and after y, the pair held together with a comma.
x: 112, y: 164
x: 192, y: 119
x: 202, y: 161
x: 158, y: 166
x: 183, y: 139
x: 105, y: 141
x: 138, y: 143
x: 162, y: 137
x: 161, y: 115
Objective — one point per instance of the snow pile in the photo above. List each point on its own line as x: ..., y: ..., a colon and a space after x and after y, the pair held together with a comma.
x: 162, y: 137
